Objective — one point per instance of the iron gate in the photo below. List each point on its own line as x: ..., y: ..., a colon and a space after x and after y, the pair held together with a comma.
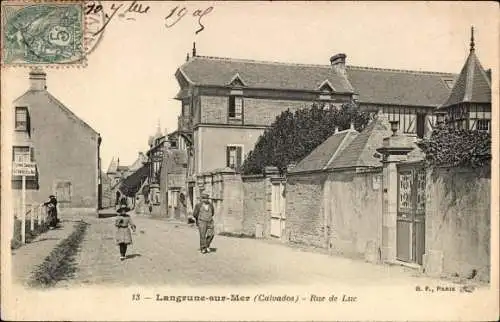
x: 411, y: 213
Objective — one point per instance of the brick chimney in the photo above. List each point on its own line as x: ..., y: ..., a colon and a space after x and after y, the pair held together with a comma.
x: 38, y: 80
x: 338, y: 63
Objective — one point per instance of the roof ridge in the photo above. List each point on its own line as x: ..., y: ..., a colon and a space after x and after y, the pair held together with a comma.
x: 408, y: 71
x: 323, y: 66
x: 260, y: 61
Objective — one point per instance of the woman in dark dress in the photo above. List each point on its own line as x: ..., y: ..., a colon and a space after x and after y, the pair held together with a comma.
x: 52, y: 211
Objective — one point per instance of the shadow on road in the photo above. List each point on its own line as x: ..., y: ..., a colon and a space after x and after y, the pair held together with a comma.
x: 133, y: 256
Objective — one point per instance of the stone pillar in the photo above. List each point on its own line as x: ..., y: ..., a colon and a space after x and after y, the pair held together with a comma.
x: 394, y: 150
x: 230, y: 217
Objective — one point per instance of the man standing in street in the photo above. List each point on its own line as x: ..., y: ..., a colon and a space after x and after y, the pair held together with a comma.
x: 203, y: 214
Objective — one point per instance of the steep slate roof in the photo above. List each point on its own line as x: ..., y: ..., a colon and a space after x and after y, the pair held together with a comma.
x: 131, y: 185
x: 360, y: 152
x: 374, y: 85
x: 203, y: 70
x: 399, y: 87
x: 473, y: 84
x: 325, y: 153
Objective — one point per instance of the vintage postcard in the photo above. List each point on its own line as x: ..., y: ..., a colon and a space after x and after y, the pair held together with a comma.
x: 206, y: 161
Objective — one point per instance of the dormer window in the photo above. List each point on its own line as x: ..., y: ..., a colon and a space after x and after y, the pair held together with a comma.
x: 449, y: 83
x: 236, y: 81
x: 21, y: 119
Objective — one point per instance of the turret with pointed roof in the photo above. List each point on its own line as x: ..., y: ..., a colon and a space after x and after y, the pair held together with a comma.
x: 469, y: 103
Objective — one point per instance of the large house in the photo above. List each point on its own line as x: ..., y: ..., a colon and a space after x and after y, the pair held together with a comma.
x: 228, y: 103
x: 66, y: 150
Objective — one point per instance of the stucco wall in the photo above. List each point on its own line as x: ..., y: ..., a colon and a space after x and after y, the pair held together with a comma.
x: 304, y: 209
x: 458, y: 222
x: 213, y: 142
x: 353, y: 206
x: 65, y: 150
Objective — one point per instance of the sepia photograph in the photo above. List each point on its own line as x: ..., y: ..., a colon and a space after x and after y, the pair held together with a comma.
x: 249, y: 160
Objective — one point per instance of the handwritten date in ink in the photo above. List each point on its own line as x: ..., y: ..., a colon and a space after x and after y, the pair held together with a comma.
x: 177, y: 14
x: 125, y: 11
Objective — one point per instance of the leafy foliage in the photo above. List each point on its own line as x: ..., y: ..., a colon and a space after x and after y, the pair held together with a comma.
x: 457, y: 148
x: 293, y: 136
x: 60, y: 262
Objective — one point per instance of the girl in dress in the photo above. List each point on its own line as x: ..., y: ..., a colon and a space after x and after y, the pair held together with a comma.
x: 123, y: 224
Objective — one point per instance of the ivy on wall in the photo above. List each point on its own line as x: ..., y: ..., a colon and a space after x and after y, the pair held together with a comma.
x: 293, y: 136
x: 450, y: 147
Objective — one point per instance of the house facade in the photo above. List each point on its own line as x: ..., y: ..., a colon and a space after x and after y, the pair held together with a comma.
x: 228, y: 103
x: 66, y: 150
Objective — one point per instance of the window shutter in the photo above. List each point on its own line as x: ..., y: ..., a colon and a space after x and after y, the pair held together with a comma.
x: 13, y: 153
x: 32, y: 154
x: 228, y: 151
x: 238, y: 157
x: 28, y: 123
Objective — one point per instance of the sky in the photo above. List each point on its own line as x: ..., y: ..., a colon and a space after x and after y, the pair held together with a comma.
x: 128, y: 85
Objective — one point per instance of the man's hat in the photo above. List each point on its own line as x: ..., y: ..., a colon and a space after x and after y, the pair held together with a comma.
x: 52, y: 196
x: 205, y: 195
x: 123, y: 208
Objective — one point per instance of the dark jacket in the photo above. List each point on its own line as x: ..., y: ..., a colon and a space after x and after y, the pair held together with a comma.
x: 200, y: 214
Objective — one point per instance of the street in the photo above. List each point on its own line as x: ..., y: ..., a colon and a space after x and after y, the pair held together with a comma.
x: 166, y: 253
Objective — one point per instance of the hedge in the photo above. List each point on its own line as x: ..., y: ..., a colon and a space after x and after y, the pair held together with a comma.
x: 59, y: 264
x: 450, y: 147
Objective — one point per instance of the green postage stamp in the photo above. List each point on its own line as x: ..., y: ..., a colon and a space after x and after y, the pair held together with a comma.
x: 43, y: 33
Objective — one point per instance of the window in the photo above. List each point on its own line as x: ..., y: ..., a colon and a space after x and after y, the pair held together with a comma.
x: 22, y: 154
x: 21, y: 119
x: 234, y: 157
x: 420, y: 125
x: 235, y: 107
x: 483, y: 125
x: 63, y: 191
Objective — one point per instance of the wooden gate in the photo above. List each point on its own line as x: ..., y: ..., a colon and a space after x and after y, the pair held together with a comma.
x: 277, y: 208
x: 411, y: 213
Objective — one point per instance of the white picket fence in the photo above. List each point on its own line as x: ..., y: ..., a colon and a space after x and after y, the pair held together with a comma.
x: 34, y: 213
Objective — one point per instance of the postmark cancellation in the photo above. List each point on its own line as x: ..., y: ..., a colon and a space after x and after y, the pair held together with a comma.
x: 47, y: 33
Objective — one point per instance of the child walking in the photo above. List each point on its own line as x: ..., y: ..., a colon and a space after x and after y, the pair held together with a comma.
x: 123, y: 225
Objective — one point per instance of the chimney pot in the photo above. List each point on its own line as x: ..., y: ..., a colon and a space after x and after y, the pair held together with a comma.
x: 38, y: 80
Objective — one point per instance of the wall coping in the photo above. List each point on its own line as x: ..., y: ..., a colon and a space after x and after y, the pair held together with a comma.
x: 344, y: 169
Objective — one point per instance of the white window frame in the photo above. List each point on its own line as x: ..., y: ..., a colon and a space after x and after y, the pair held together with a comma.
x: 21, y: 157
x: 488, y: 125
x: 235, y: 145
x: 237, y: 116
x: 23, y: 128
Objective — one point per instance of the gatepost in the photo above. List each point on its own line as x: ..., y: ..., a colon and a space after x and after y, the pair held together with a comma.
x: 394, y: 150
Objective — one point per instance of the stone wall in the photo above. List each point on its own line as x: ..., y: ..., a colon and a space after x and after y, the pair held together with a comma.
x: 304, y: 209
x: 254, y: 206
x: 458, y: 222
x: 256, y: 111
x: 353, y: 210
x: 224, y: 186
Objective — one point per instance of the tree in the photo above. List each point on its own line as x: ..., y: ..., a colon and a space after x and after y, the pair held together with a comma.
x: 293, y: 136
